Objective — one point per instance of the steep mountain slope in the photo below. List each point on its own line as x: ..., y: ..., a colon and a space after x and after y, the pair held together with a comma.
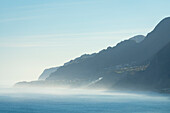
x: 158, y: 73
x: 140, y: 63
x: 155, y: 77
x: 125, y: 53
x: 47, y: 72
x: 90, y: 75
x: 89, y: 68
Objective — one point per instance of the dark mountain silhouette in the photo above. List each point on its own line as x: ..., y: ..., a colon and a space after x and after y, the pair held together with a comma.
x: 156, y: 76
x: 159, y: 70
x: 135, y: 64
x: 85, y: 67
x: 126, y: 52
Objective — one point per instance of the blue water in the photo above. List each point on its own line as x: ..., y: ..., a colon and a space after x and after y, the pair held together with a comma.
x: 84, y: 103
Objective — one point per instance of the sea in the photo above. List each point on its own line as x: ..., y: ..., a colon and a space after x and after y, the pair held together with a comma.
x: 82, y: 101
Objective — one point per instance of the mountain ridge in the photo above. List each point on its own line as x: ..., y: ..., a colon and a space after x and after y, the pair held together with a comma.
x: 119, y: 67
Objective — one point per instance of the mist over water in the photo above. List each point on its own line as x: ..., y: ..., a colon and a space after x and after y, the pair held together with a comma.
x: 51, y: 100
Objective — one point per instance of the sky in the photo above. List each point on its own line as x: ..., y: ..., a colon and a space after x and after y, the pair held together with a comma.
x: 39, y: 34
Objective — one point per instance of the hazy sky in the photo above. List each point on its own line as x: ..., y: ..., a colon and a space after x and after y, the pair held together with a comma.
x: 38, y: 34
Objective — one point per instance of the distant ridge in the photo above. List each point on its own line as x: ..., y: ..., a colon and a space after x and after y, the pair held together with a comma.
x: 46, y: 73
x: 138, y: 38
x: 130, y: 65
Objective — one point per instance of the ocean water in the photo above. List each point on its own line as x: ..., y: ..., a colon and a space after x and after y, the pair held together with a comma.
x: 79, y: 101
